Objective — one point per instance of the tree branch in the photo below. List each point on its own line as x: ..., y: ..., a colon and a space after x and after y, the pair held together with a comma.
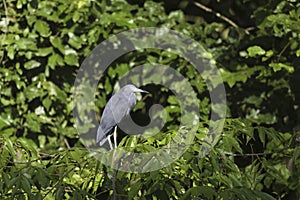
x: 220, y: 16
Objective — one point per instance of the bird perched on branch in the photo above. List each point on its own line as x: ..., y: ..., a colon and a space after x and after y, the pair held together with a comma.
x: 117, y: 108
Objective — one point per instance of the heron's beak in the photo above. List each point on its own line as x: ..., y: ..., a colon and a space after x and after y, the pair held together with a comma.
x: 139, y: 90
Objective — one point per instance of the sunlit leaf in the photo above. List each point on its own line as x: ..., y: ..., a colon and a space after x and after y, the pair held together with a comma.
x: 43, y: 28
x: 256, y: 51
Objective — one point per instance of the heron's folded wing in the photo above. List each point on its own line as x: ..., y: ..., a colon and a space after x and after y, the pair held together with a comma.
x: 100, y: 136
x: 115, y: 110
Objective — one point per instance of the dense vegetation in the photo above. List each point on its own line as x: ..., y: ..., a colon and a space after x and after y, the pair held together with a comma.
x: 256, y: 47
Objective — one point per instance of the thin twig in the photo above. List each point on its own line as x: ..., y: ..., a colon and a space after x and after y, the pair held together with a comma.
x: 220, y: 16
x: 283, y: 50
x: 256, y: 154
x: 114, y: 177
x: 67, y: 143
x: 114, y: 184
x: 247, y: 154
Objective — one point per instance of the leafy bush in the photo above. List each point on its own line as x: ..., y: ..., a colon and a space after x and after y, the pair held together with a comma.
x: 43, y: 44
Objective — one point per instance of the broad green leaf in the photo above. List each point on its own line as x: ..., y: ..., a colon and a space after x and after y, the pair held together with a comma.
x: 53, y: 90
x: 32, y: 122
x: 47, y: 103
x: 279, y: 66
x: 44, y: 51
x: 71, y: 59
x: 262, y: 135
x: 255, y: 51
x: 43, y: 28
x: 55, y: 60
x: 57, y: 43
x: 25, y: 44
x: 11, y: 52
x: 26, y: 185
x: 298, y: 53
x: 32, y: 64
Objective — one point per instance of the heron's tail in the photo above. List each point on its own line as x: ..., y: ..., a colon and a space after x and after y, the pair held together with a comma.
x: 103, y: 141
x: 100, y: 138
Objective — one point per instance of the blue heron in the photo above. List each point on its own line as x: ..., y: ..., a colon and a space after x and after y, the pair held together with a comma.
x: 117, y: 108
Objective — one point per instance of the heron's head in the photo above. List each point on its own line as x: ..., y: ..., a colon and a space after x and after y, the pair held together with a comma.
x: 132, y: 88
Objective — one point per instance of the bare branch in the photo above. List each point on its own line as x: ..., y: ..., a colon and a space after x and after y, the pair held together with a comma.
x: 220, y: 16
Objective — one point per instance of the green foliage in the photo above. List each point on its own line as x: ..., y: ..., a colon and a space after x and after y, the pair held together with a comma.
x: 257, y: 156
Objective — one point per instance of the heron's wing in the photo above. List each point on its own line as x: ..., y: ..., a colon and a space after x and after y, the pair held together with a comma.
x: 115, y: 110
x: 100, y: 137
